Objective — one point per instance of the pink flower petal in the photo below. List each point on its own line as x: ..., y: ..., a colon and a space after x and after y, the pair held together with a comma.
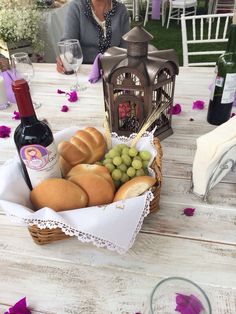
x: 198, y: 104
x: 19, y: 308
x: 188, y: 211
x: 64, y: 108
x: 4, y: 131
x: 188, y: 304
x: 16, y: 115
x: 73, y: 97
x: 59, y: 91
x: 176, y: 109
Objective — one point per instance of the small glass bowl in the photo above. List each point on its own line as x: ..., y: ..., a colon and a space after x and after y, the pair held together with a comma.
x: 163, y: 296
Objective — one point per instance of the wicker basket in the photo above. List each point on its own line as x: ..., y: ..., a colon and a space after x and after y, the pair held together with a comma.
x: 44, y: 236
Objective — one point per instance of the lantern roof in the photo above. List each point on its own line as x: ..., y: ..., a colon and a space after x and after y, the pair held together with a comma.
x: 115, y: 58
x: 137, y: 35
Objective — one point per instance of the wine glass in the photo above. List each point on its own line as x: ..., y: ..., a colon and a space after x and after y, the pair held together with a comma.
x: 177, y: 295
x: 72, y: 58
x: 23, y: 68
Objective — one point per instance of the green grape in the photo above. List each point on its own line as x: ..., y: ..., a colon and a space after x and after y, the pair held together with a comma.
x: 117, y: 161
x: 116, y: 174
x: 110, y: 167
x: 125, y: 151
x: 113, y: 153
x: 117, y: 148
x: 137, y: 164
x: 133, y: 152
x: 122, y: 146
x: 122, y: 167
x: 107, y: 161
x: 106, y: 156
x: 126, y: 159
x: 145, y: 163
x: 145, y: 155
x: 140, y: 172
x: 137, y: 158
x: 117, y: 183
x: 131, y: 172
x: 124, y: 178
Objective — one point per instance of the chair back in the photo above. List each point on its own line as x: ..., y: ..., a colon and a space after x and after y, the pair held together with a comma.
x: 224, y: 6
x: 201, y: 31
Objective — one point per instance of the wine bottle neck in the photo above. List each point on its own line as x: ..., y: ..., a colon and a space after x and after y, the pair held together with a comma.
x: 231, y: 46
x: 30, y: 120
x: 23, y: 99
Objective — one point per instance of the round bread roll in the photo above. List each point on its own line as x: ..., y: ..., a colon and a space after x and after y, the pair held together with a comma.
x: 86, y: 146
x: 87, y: 168
x: 134, y: 187
x: 98, y: 189
x: 58, y: 194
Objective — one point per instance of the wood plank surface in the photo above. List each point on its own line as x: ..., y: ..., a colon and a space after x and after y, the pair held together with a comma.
x: 73, y: 277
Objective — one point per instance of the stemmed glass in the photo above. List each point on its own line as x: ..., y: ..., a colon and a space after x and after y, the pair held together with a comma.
x: 72, y: 57
x: 177, y: 295
x: 23, y: 68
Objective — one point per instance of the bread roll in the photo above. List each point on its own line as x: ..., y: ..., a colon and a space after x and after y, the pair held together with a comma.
x: 87, y: 168
x: 86, y: 146
x: 58, y: 194
x: 134, y: 187
x: 98, y: 189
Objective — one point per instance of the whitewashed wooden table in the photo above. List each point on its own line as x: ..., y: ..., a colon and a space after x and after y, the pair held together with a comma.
x: 72, y: 277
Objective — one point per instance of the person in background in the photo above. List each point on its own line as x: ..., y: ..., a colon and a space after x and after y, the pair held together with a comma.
x: 97, y: 24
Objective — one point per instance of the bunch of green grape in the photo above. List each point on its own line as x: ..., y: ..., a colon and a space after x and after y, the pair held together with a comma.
x: 124, y: 163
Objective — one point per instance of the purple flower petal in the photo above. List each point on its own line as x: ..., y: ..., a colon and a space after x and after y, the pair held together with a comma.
x: 4, y: 131
x: 19, y: 308
x: 59, y: 91
x: 73, y: 97
x: 64, y: 108
x: 176, y: 109
x: 16, y: 115
x: 188, y: 304
x: 198, y: 104
x: 188, y: 211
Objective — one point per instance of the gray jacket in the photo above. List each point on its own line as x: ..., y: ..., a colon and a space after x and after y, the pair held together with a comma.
x: 81, y: 25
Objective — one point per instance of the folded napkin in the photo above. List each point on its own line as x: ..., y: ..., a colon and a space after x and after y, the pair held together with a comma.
x: 8, y: 77
x: 95, y: 73
x: 214, y: 148
x: 114, y: 226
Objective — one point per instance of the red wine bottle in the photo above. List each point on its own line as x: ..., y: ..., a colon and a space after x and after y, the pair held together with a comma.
x: 34, y: 140
x: 222, y: 97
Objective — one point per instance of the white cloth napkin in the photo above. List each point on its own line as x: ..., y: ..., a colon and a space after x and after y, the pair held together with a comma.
x: 113, y: 226
x: 213, y: 149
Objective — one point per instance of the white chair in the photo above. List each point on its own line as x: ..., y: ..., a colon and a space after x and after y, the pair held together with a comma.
x: 203, y: 32
x: 130, y: 6
x: 148, y: 11
x: 224, y: 6
x: 178, y: 7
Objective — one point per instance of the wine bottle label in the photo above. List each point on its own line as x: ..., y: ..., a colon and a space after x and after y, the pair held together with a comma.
x: 41, y: 162
x: 229, y: 88
x: 219, y: 81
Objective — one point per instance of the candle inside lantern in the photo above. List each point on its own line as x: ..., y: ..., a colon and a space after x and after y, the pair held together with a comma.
x: 3, y: 95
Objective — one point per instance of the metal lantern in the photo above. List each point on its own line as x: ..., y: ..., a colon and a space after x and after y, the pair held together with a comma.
x: 136, y: 82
